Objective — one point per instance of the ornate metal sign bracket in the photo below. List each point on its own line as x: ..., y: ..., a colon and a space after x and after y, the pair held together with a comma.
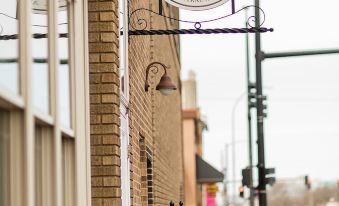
x: 138, y: 26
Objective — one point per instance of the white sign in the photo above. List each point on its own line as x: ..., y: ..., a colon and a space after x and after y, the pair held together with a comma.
x: 40, y: 6
x: 196, y: 5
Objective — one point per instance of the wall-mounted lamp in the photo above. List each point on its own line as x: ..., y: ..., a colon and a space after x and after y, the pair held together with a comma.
x: 165, y: 86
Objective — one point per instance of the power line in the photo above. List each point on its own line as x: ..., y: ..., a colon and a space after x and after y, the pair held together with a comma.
x: 36, y: 25
x: 6, y: 15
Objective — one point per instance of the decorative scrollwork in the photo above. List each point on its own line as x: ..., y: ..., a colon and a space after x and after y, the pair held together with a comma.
x: 139, y: 23
x: 154, y: 69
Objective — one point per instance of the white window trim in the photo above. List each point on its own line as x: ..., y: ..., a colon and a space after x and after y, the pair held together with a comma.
x: 125, y: 157
x: 81, y: 85
x: 11, y: 98
x: 124, y: 116
x: 25, y: 87
x: 125, y: 29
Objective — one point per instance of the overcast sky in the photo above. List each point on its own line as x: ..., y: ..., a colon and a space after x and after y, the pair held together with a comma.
x: 302, y: 128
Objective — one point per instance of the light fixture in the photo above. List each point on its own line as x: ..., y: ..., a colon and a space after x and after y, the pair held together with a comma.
x: 165, y: 85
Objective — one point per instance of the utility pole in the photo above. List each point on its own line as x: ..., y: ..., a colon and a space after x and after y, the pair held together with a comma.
x: 249, y: 116
x: 260, y: 113
x: 226, y: 179
x: 261, y: 56
x: 233, y: 144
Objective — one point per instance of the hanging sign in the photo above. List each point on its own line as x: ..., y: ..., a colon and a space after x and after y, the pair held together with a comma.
x: 196, y: 5
x: 40, y: 6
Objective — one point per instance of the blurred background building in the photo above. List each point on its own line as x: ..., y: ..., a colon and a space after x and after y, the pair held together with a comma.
x: 200, y: 176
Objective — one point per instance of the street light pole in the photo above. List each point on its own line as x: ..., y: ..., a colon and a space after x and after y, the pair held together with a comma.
x: 233, y: 142
x: 249, y: 116
x: 260, y: 115
x: 226, y: 200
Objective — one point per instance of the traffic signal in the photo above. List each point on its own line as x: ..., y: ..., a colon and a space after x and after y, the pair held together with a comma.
x: 307, y: 182
x: 246, y: 177
x: 252, y: 97
x: 270, y: 179
x: 252, y: 86
x: 264, y: 103
x: 241, y: 191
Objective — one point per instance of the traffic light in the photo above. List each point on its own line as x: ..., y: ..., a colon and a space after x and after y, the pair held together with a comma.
x: 252, y: 99
x: 246, y: 177
x: 252, y: 96
x: 241, y: 191
x: 264, y: 103
x: 270, y: 179
x: 307, y: 182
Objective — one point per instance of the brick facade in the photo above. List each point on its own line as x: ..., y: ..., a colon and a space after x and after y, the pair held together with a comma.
x: 155, y: 121
x: 104, y: 102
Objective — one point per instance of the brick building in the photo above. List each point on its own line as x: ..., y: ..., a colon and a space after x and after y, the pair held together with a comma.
x: 149, y: 146
x: 76, y: 125
x: 199, y: 176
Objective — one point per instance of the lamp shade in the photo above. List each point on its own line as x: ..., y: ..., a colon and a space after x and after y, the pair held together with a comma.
x: 166, y: 86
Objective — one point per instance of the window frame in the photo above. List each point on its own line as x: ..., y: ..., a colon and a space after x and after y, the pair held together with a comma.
x: 124, y: 104
x: 124, y: 55
x: 24, y: 115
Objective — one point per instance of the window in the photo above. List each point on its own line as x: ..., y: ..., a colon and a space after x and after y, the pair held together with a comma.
x: 64, y: 66
x: 147, y: 187
x: 9, y: 52
x: 44, y: 167
x: 4, y: 157
x: 68, y: 171
x: 11, y: 158
x: 150, y: 191
x: 40, y: 146
x: 40, y: 66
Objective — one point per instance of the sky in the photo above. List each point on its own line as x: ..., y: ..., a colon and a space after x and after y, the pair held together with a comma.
x: 302, y: 128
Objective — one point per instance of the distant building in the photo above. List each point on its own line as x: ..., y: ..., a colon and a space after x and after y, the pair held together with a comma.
x: 200, y: 177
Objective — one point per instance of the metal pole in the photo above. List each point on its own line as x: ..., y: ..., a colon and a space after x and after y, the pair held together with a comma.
x: 226, y: 174
x: 233, y: 6
x: 160, y: 7
x: 249, y: 116
x: 299, y: 53
x: 234, y: 188
x: 260, y: 115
